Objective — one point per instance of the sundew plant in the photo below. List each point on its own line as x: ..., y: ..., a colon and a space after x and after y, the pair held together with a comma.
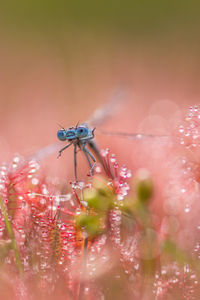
x: 116, y: 235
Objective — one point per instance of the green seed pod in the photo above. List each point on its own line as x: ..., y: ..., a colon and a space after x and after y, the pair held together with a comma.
x: 98, y: 199
x: 91, y: 224
x: 100, y: 184
x: 144, y: 186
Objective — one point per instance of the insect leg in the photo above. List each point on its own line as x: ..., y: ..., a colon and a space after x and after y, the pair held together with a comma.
x: 75, y: 163
x: 88, y: 159
x: 61, y: 150
x: 93, y: 146
x: 87, y: 152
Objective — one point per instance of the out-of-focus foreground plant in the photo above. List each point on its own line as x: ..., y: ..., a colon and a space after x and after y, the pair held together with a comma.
x: 102, y: 240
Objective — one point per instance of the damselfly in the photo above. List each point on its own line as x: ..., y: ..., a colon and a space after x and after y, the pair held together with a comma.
x: 82, y: 136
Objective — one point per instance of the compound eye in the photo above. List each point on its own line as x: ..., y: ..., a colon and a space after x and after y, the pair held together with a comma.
x: 61, y: 134
x: 82, y: 131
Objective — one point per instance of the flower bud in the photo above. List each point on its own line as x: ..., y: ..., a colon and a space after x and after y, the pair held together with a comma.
x: 96, y: 200
x: 91, y: 224
x: 144, y: 186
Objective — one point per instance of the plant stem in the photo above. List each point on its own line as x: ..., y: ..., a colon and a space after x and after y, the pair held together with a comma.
x: 84, y: 266
x: 12, y: 237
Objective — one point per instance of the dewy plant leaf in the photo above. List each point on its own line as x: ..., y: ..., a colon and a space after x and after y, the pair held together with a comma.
x: 12, y: 237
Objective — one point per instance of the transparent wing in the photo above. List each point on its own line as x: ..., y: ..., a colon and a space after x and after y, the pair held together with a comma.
x: 111, y: 107
x: 41, y: 154
x: 133, y: 136
x: 45, y: 152
x: 37, y: 156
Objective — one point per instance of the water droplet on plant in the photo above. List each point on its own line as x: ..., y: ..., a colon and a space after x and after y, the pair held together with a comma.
x: 123, y: 172
x: 181, y: 129
x: 35, y: 181
x: 129, y: 174
x: 187, y: 208
x: 2, y: 186
x: 16, y: 159
x: 98, y: 169
x: 42, y: 201
x: 113, y: 158
x: 44, y: 190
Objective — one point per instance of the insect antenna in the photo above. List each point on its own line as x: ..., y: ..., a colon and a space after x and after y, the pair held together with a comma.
x: 61, y: 126
x: 77, y: 124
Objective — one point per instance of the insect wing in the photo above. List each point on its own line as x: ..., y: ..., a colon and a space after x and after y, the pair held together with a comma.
x: 41, y: 154
x: 133, y: 136
x: 45, y: 152
x: 109, y: 109
x: 36, y: 157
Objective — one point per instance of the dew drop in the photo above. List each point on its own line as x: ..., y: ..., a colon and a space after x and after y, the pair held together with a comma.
x: 181, y: 129
x: 113, y: 158
x: 98, y: 169
x: 115, y: 165
x: 129, y: 174
x: 43, y: 201
x: 35, y: 181
x: 44, y: 190
x: 187, y: 208
x: 2, y: 186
